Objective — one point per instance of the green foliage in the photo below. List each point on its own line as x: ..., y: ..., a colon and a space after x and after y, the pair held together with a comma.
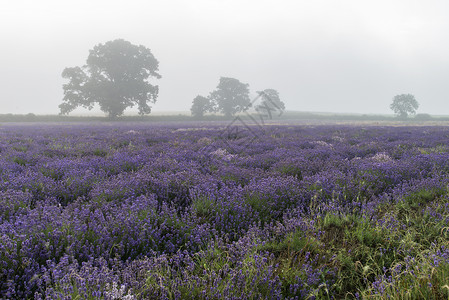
x: 417, y: 279
x: 436, y: 149
x: 403, y: 105
x: 100, y: 152
x: 19, y: 161
x: 115, y: 77
x: 51, y: 173
x: 20, y: 148
x: 214, y: 273
x: 293, y: 244
x: 393, y: 253
x: 268, y: 209
x: 423, y: 196
x: 291, y: 170
x: 200, y: 106
x: 230, y: 97
x: 203, y: 207
x: 271, y: 103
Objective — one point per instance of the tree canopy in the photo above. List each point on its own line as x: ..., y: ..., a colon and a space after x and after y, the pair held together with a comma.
x: 115, y: 77
x: 231, y: 96
x: 270, y: 102
x: 404, y: 105
x: 201, y: 105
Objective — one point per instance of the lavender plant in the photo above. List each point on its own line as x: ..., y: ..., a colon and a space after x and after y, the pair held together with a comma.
x: 172, y: 211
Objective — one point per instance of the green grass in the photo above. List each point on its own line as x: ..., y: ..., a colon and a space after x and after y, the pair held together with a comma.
x: 214, y: 264
x: 20, y: 161
x: 291, y: 170
x: 203, y: 206
x: 372, y: 255
x: 393, y: 252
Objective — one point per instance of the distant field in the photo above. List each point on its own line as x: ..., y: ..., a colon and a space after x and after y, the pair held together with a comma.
x: 287, y: 209
x: 291, y: 117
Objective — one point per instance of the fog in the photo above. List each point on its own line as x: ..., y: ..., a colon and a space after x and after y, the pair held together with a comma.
x: 324, y: 56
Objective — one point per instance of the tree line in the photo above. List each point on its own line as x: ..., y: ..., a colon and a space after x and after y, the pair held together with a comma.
x: 116, y: 76
x: 232, y: 96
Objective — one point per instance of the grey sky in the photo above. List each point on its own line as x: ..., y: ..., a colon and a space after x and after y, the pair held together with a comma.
x: 334, y: 56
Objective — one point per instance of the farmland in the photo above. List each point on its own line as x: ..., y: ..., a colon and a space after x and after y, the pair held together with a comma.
x: 172, y: 211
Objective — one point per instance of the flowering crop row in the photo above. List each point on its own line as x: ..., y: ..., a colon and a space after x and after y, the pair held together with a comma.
x: 145, y: 211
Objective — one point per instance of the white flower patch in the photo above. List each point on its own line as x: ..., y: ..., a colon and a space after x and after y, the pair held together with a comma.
x: 116, y: 293
x: 132, y: 132
x: 323, y: 144
x: 204, y: 141
x: 223, y: 154
x: 381, y: 157
x: 338, y: 139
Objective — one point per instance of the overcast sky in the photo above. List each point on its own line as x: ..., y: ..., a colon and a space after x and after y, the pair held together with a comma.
x: 321, y: 55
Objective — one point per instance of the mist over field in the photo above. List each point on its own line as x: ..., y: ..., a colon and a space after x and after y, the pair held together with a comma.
x: 322, y: 56
x: 224, y: 150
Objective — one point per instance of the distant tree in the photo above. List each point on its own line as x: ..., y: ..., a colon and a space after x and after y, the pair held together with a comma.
x: 404, y: 105
x: 231, y: 96
x: 270, y: 102
x: 201, y: 105
x: 115, y: 76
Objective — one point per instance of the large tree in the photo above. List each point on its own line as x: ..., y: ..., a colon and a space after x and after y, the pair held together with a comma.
x: 231, y: 96
x: 115, y: 76
x: 404, y: 104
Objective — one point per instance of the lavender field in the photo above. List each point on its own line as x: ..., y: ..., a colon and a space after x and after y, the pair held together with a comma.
x: 151, y: 211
